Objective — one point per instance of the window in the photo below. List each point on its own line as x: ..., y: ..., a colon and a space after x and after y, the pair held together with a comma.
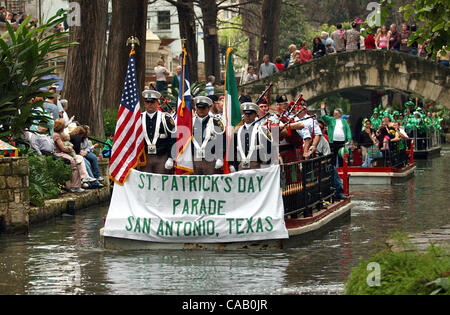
x: 163, y: 20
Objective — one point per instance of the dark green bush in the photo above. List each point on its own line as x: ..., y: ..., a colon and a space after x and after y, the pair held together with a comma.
x: 404, y: 273
x: 47, y: 177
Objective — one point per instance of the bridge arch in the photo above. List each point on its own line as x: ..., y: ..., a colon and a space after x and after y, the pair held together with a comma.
x: 359, y: 69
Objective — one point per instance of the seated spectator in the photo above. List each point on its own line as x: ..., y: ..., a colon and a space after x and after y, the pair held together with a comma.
x: 51, y: 107
x: 319, y: 49
x: 87, y: 150
x: 305, y: 53
x: 78, y: 166
x: 297, y: 58
x: 65, y: 106
x: 292, y: 50
x: 41, y: 141
x: 76, y: 135
x: 106, y: 151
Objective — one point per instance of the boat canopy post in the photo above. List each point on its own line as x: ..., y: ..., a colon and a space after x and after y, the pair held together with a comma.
x: 411, y: 152
x: 345, y: 175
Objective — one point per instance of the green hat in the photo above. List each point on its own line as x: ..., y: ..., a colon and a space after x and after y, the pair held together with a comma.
x: 396, y: 113
x: 375, y: 111
x: 409, y: 103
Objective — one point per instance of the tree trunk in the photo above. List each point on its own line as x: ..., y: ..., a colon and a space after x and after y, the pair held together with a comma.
x: 212, y: 54
x: 251, y: 25
x: 85, y: 68
x: 129, y: 18
x: 186, y: 17
x: 270, y: 29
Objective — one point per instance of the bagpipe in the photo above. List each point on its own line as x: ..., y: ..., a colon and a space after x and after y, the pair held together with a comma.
x: 265, y: 96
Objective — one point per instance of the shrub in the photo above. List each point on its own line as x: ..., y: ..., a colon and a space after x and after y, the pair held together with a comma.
x: 47, y: 177
x: 404, y: 273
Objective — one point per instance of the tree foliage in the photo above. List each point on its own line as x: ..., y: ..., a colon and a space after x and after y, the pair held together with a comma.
x: 25, y: 57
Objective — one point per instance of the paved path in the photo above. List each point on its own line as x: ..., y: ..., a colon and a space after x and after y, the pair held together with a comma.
x: 421, y: 241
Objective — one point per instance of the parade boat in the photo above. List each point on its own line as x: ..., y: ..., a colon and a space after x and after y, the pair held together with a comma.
x: 396, y: 167
x: 427, y: 144
x: 264, y: 209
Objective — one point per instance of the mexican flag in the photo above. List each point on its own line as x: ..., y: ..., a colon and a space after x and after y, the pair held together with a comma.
x: 232, y: 107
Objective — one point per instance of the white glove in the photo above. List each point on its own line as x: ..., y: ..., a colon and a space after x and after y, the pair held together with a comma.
x: 232, y: 169
x: 219, y: 164
x: 169, y: 164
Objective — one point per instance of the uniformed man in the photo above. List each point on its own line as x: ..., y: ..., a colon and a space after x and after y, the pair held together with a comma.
x: 266, y: 118
x: 252, y: 142
x: 311, y: 133
x: 158, y: 128
x: 208, y: 143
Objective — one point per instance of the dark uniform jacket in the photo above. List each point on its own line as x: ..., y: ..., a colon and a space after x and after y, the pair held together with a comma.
x: 166, y: 141
x: 216, y: 145
x: 262, y: 152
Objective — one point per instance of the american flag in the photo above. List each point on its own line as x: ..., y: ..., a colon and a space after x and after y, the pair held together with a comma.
x: 128, y: 150
x: 184, y: 163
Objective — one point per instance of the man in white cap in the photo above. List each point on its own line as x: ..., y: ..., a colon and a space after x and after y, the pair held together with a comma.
x: 208, y: 143
x: 252, y: 141
x: 158, y: 129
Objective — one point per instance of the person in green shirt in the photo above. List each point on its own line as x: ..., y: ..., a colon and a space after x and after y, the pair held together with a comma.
x: 176, y: 79
x: 375, y: 119
x: 339, y: 132
x: 106, y: 151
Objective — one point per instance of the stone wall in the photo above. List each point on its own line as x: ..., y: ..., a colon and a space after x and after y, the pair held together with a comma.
x: 14, y: 195
x: 16, y: 214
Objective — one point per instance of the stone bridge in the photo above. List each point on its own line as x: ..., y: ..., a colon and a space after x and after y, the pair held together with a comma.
x: 364, y: 69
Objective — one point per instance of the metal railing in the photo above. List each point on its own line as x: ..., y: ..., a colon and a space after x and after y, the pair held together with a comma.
x: 393, y: 157
x: 424, y: 141
x: 306, y: 185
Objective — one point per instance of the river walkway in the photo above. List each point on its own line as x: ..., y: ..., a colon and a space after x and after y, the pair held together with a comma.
x: 422, y: 241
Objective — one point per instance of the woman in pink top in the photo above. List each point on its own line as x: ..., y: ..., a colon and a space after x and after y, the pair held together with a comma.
x: 382, y: 40
x: 305, y: 53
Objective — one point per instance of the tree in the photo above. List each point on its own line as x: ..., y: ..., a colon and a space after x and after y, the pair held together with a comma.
x: 251, y: 25
x: 85, y: 68
x: 128, y: 19
x: 270, y: 29
x: 212, y: 58
x: 25, y: 56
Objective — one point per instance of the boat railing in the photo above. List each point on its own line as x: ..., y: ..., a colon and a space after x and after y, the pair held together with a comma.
x: 398, y: 155
x: 306, y: 185
x: 425, y: 141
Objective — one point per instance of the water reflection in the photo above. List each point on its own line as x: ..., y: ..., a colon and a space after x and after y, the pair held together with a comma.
x: 64, y: 257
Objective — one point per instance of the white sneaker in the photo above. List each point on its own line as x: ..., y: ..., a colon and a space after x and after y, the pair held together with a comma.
x: 88, y: 179
x: 100, y: 179
x: 77, y: 190
x: 85, y: 185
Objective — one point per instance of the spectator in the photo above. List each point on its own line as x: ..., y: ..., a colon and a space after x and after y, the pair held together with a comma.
x: 369, y: 42
x: 338, y: 37
x: 414, y: 45
x: 326, y: 39
x: 441, y: 59
x: 423, y: 50
x: 65, y: 105
x: 305, y: 53
x: 287, y: 58
x: 51, y: 107
x: 15, y: 18
x: 330, y: 49
x: 319, y: 49
x: 23, y: 18
x: 251, y: 76
x: 161, y: 73
x: 9, y: 18
x: 279, y: 63
x: 394, y: 38
x: 267, y: 68
x: 339, y: 133
x: 365, y: 139
x: 352, y: 38
x: 2, y: 14
x: 41, y: 141
x: 106, y: 151
x: 382, y: 38
x: 210, y: 85
x: 87, y: 151
x: 293, y: 50
x: 53, y: 89
x: 177, y: 78
x: 78, y: 166
x: 297, y: 58
x: 76, y: 135
x: 404, y: 38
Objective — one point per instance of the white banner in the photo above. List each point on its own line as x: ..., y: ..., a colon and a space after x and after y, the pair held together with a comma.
x: 244, y: 206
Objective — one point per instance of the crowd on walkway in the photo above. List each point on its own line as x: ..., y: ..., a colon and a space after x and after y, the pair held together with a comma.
x: 64, y: 138
x: 384, y: 38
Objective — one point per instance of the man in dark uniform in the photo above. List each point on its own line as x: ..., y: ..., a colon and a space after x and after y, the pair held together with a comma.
x: 252, y: 141
x: 158, y: 129
x: 208, y: 143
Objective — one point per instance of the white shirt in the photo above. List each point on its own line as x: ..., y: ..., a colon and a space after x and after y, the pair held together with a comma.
x: 339, y: 131
x: 311, y: 127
